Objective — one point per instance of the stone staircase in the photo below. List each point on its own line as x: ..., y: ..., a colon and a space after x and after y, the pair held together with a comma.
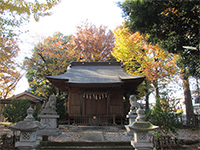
x: 85, y: 146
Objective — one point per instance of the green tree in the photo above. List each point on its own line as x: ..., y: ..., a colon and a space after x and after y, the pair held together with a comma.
x: 162, y: 115
x: 61, y: 105
x: 17, y: 111
x: 172, y: 24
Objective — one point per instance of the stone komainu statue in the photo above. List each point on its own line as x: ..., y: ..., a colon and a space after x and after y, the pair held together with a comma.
x: 134, y: 104
x: 50, y: 106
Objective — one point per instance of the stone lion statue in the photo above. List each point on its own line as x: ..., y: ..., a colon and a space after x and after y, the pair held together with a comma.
x: 50, y: 106
x: 134, y: 104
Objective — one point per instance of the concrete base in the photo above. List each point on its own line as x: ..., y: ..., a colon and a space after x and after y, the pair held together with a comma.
x: 22, y: 145
x: 71, y: 127
x: 49, y: 132
x: 142, y: 146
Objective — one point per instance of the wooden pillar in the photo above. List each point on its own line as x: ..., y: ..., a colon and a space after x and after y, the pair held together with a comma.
x: 81, y: 103
x: 108, y: 103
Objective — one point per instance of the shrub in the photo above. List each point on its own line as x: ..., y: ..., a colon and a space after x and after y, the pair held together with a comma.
x: 17, y: 111
x: 161, y: 115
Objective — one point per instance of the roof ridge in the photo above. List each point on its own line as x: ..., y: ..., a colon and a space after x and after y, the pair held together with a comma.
x: 112, y: 63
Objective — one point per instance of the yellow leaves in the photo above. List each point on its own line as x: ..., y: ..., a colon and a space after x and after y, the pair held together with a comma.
x: 151, y: 61
x: 9, y: 74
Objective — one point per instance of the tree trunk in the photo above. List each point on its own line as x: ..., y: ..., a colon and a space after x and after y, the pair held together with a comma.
x: 187, y: 98
x: 155, y: 86
x: 146, y: 91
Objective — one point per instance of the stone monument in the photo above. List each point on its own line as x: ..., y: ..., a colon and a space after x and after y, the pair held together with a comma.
x: 132, y: 113
x: 48, y: 117
x: 28, y: 129
x: 141, y: 130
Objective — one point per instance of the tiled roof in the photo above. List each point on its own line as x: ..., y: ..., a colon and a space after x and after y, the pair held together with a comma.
x: 94, y: 72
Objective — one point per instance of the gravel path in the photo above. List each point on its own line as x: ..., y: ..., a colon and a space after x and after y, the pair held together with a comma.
x: 117, y: 136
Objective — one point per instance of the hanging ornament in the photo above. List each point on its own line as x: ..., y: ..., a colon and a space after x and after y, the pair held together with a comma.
x: 83, y: 95
x: 102, y: 95
x: 94, y: 96
x: 105, y: 95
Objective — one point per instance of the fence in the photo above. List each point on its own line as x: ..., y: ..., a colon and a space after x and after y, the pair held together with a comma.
x: 165, y: 142
x: 103, y: 120
x: 8, y: 142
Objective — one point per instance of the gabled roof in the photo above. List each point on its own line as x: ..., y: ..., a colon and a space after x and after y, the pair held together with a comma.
x: 93, y: 74
x: 27, y: 95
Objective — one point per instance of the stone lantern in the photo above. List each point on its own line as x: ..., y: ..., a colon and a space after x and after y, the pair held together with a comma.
x: 28, y: 129
x: 141, y: 129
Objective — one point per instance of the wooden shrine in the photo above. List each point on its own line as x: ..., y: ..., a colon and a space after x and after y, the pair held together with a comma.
x: 95, y: 89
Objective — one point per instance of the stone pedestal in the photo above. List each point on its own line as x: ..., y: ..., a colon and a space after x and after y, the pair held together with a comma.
x: 50, y: 121
x: 49, y: 117
x: 131, y: 118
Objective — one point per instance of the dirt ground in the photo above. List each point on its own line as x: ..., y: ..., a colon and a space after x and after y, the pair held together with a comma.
x: 190, y: 136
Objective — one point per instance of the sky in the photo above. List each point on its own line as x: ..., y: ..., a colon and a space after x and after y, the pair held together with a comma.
x: 66, y: 16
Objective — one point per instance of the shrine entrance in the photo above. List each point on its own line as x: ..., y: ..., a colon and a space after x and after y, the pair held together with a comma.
x: 95, y: 103
x: 93, y: 106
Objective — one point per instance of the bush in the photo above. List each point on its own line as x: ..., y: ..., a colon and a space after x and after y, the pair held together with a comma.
x: 61, y: 107
x: 17, y: 111
x: 161, y: 115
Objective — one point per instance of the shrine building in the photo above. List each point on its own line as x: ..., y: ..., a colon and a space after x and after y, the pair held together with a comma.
x: 96, y: 89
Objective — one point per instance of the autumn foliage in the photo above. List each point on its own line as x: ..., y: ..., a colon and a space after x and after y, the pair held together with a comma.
x: 94, y: 43
x: 9, y: 75
x: 50, y: 57
x: 141, y: 58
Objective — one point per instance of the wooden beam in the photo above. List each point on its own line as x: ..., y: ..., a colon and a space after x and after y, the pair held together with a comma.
x: 108, y: 103
x: 81, y: 103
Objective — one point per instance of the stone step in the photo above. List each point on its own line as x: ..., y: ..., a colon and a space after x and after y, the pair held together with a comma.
x: 86, y: 145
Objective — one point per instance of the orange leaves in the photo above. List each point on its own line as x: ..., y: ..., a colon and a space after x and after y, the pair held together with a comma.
x: 50, y: 57
x: 55, y: 53
x: 160, y: 64
x: 9, y: 75
x: 94, y: 44
x: 141, y: 57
